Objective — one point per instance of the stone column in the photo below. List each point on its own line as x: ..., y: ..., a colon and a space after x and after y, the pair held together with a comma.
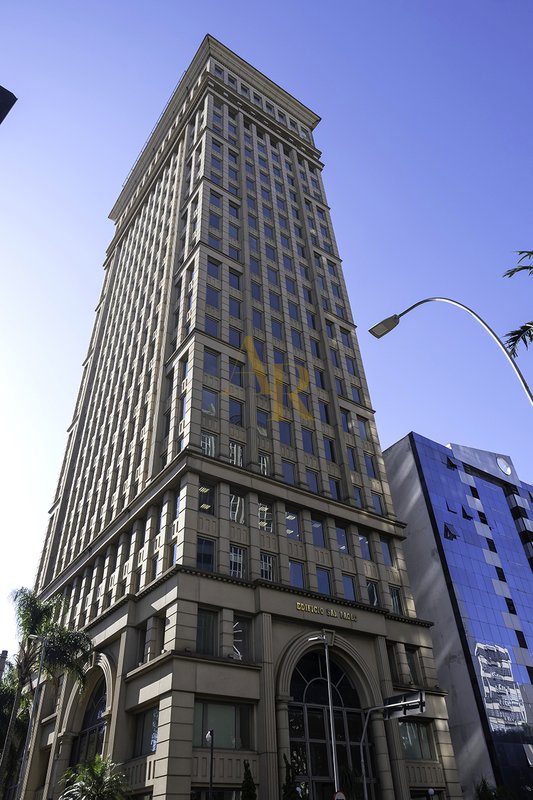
x: 267, y: 744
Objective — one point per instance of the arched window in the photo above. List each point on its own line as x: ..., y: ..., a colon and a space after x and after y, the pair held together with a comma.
x: 90, y: 739
x: 309, y: 729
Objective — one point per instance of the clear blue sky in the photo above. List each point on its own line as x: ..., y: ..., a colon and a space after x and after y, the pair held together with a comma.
x: 427, y: 140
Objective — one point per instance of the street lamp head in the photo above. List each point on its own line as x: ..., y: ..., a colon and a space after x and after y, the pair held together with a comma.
x: 317, y: 637
x: 209, y: 736
x: 385, y: 326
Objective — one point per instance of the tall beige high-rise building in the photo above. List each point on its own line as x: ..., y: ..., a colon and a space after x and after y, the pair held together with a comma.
x: 223, y: 500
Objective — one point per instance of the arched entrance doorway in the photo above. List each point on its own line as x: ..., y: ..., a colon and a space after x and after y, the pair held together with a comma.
x: 90, y: 739
x: 309, y: 730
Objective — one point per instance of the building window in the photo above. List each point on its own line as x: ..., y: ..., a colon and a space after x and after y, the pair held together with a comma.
x: 348, y: 587
x: 236, y: 561
x: 342, y: 538
x: 236, y: 409
x: 277, y: 329
x: 386, y: 550
x: 234, y: 337
x: 324, y: 412
x: 206, y: 632
x: 257, y: 319
x: 236, y: 454
x: 264, y: 463
x: 205, y: 554
x: 377, y: 503
x: 414, y: 737
x: 323, y: 579
x: 335, y: 488
x: 90, y: 739
x: 370, y: 465
x: 308, y: 441
x: 329, y: 449
x: 289, y: 471
x: 296, y: 337
x: 212, y: 327
x: 232, y: 724
x: 296, y: 574
x: 285, y: 433
x: 146, y: 725
x: 267, y: 563
x: 312, y: 480
x: 209, y: 402
x: 275, y: 301
x: 212, y: 297
x: 413, y: 663
x: 364, y: 544
x: 279, y: 357
x: 206, y: 498
x: 293, y: 311
x: 350, y: 365
x: 292, y: 523
x: 211, y: 363
x: 173, y: 553
x: 357, y: 496
x: 352, y: 458
x: 242, y: 629
x: 235, y: 308
x: 345, y: 421
x: 208, y: 444
x: 317, y: 527
x: 213, y: 270
x: 320, y: 379
x: 235, y: 372
x: 265, y: 516
x: 356, y: 394
x: 236, y: 507
x: 364, y: 428
x: 262, y: 419
x: 373, y: 594
x: 396, y: 599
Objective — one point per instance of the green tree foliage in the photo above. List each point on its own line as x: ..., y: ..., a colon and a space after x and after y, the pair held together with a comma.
x: 64, y: 651
x: 289, y: 791
x: 7, y: 699
x: 523, y: 334
x: 248, y: 790
x: 96, y: 780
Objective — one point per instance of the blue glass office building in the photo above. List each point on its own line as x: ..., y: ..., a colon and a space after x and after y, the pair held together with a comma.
x: 469, y: 553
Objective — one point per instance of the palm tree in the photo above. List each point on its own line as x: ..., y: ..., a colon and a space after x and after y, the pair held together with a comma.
x: 44, y: 646
x: 523, y: 334
x: 7, y: 698
x: 96, y: 780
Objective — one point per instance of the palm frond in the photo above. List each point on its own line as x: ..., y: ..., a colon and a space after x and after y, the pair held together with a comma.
x: 523, y: 335
x: 95, y: 780
x: 33, y: 615
x: 66, y: 650
x: 523, y: 256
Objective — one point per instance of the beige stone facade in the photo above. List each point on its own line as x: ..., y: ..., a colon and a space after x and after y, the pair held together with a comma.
x: 223, y: 496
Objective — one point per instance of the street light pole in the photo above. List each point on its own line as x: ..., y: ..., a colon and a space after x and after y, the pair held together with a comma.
x: 210, y: 739
x: 34, y: 705
x: 388, y: 324
x: 321, y: 637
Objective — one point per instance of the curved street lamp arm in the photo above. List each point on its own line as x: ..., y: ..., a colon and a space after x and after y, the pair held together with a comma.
x: 482, y: 322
